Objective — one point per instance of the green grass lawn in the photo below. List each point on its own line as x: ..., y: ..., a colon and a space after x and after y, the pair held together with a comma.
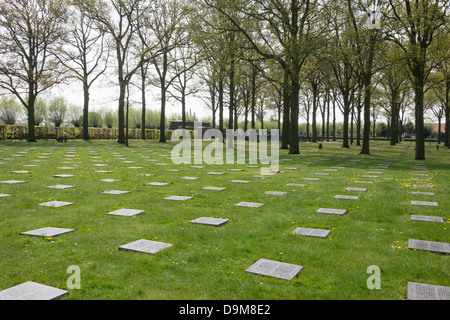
x: 209, y: 263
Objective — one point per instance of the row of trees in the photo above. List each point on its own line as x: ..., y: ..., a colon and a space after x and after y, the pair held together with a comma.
x: 297, y: 57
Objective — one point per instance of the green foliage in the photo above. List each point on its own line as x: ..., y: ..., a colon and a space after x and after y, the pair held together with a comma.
x: 9, y: 110
x: 57, y: 111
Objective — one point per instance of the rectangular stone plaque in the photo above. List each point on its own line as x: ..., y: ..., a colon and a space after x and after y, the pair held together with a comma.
x: 63, y: 176
x: 276, y: 193
x: 12, y: 182
x: 308, y: 232
x: 214, y: 188
x: 275, y: 269
x: 109, y: 180
x: 364, y: 182
x: 56, y: 204
x: 433, y: 246
x: 311, y: 179
x: 211, y: 221
x: 216, y: 173
x: 189, y: 178
x: 125, y: 212
x: 146, y: 246
x: 178, y: 198
x: 422, y: 186
x: 47, y: 232
x: 357, y: 189
x: 249, y: 204
x: 4, y: 195
x: 31, y: 291
x: 346, y: 197
x: 424, y: 193
x: 332, y: 211
x: 240, y: 181
x: 115, y: 192
x: 426, y: 218
x: 422, y: 291
x: 295, y: 185
x: 424, y: 203
x: 61, y: 187
x: 157, y: 184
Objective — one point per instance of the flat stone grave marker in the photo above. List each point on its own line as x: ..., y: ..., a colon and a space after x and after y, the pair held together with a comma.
x: 370, y: 176
x: 31, y: 291
x: 63, y: 176
x: 375, y: 172
x: 364, y: 182
x: 100, y: 165
x: 356, y: 189
x: 125, y: 212
x: 56, y: 204
x: 422, y: 291
x: 236, y: 170
x: 424, y: 193
x: 426, y: 218
x: 289, y: 168
x: 425, y: 203
x: 157, y: 184
x: 422, y: 186
x: 66, y: 168
x: 346, y: 197
x: 115, y: 192
x: 146, y: 246
x: 189, y: 178
x: 331, y: 170
x: 240, y: 181
x: 249, y: 204
x: 322, y: 174
x: 12, y: 182
x: 109, y: 180
x: 20, y: 172
x: 4, y: 195
x: 197, y: 167
x: 135, y: 168
x: 47, y: 232
x: 215, y: 189
x: 276, y: 193
x: 61, y: 187
x: 216, y: 173
x: 311, y: 179
x: 332, y: 211
x: 216, y: 222
x: 275, y: 269
x: 295, y: 185
x: 102, y: 171
x: 178, y: 198
x: 308, y: 232
x: 421, y: 175
x: 433, y: 246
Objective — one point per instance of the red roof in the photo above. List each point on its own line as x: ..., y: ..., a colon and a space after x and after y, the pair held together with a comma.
x: 436, y: 127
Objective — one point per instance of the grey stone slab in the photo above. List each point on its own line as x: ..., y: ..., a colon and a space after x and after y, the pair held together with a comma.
x: 66, y: 168
x: 295, y: 185
x: 321, y: 174
x: 423, y: 291
x: 61, y: 187
x: 331, y: 170
x: 125, y: 212
x: 189, y: 178
x: 369, y: 176
x: 425, y: 203
x: 135, y: 168
x: 356, y: 189
x: 236, y: 170
x: 364, y: 182
x: 422, y: 186
x: 63, y: 176
x: 433, y: 246
x: 346, y: 197
x: 109, y: 180
x: 157, y: 184
x: 249, y: 204
x: 115, y: 192
x: 146, y: 246
x: 102, y: 171
x: 290, y: 168
x: 31, y: 291
x: 275, y: 269
x: 376, y: 172
x: 178, y: 198
x: 20, y: 172
x: 197, y: 167
x: 12, y: 182
x: 216, y: 173
x: 215, y: 189
x: 56, y: 204
x: 276, y: 193
x: 240, y: 181
x: 311, y: 179
x: 308, y: 232
x: 4, y: 195
x: 424, y: 193
x: 47, y: 232
x: 216, y: 222
x: 332, y: 211
x: 426, y: 218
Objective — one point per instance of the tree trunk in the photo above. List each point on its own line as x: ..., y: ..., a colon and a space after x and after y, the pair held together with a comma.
x: 31, y: 118
x: 143, y: 103
x: 122, y: 88
x: 86, y: 111
x: 286, y: 114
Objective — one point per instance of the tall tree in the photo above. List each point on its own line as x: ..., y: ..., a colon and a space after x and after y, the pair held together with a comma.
x: 30, y: 33
x: 415, y: 24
